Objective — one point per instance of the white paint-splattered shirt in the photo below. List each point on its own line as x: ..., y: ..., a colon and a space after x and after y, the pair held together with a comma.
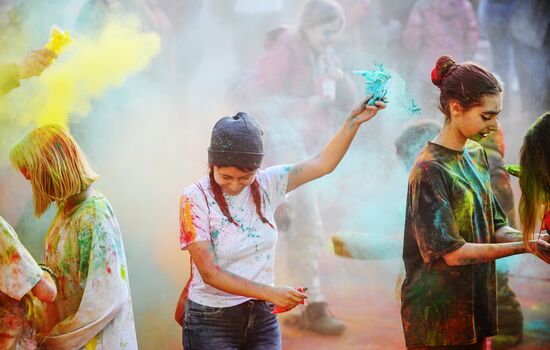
x: 19, y: 273
x: 247, y: 250
x: 84, y: 249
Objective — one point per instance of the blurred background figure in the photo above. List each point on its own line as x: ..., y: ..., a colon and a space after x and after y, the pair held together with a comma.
x: 176, y: 22
x: 438, y: 27
x: 530, y: 31
x: 302, y: 77
x: 494, y: 25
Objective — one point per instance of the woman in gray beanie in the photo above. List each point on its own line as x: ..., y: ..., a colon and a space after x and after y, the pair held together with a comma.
x: 227, y: 225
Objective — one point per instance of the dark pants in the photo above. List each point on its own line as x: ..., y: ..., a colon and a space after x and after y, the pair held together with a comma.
x: 249, y: 326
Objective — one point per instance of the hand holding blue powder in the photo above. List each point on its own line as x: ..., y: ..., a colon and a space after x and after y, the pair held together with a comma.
x: 376, y: 83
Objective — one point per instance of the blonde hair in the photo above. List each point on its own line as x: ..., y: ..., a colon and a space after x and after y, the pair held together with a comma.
x: 57, y: 167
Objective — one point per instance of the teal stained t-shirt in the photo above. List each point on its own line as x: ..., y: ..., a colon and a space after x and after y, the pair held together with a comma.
x: 449, y: 203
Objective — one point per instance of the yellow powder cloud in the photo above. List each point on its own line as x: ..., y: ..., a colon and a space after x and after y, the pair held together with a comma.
x: 91, y: 66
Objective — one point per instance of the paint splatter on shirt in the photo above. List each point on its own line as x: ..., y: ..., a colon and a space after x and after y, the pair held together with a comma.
x: 84, y: 249
x: 449, y: 203
x: 19, y: 273
x: 248, y: 249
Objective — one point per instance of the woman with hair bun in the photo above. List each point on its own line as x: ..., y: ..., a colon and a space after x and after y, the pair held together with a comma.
x: 455, y: 229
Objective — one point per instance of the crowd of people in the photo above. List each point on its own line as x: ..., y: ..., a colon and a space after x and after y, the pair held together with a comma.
x: 257, y: 198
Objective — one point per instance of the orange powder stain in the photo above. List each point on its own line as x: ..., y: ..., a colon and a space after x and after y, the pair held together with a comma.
x: 187, y: 229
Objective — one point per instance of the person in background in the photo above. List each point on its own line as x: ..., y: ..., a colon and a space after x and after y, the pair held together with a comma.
x: 530, y: 28
x: 494, y: 24
x: 434, y: 27
x: 301, y: 82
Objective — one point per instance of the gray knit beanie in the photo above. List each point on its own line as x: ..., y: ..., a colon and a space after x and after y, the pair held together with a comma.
x: 236, y: 141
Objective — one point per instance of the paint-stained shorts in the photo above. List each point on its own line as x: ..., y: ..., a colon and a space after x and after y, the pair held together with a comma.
x: 249, y: 325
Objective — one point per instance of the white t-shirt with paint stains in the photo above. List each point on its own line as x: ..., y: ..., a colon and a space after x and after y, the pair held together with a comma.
x: 84, y: 249
x: 247, y: 250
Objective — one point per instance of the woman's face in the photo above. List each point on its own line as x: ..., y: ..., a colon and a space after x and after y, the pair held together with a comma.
x: 323, y: 35
x: 478, y: 121
x: 233, y: 180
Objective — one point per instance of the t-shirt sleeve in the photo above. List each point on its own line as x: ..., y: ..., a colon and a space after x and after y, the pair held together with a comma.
x: 19, y: 272
x: 193, y: 218
x: 433, y: 224
x: 275, y: 181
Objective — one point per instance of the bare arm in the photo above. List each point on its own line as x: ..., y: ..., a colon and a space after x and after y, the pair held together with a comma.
x: 203, y: 255
x: 508, y: 234
x: 331, y: 155
x: 509, y: 242
x: 476, y: 253
x: 45, y: 289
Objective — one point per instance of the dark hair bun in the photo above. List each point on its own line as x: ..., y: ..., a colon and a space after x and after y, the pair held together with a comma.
x: 442, y: 69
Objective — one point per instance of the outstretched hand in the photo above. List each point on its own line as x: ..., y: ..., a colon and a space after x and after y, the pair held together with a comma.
x: 362, y: 112
x: 34, y: 63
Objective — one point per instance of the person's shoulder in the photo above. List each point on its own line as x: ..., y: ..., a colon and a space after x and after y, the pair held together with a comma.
x: 96, y: 207
x: 272, y: 176
x: 195, y: 189
x: 275, y: 171
x: 283, y: 38
x: 426, y: 165
x: 426, y: 155
x: 8, y: 234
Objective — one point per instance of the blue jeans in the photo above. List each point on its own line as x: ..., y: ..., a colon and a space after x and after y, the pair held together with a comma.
x: 249, y: 325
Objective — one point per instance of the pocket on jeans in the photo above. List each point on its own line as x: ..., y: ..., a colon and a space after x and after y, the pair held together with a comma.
x: 203, y: 310
x: 269, y: 306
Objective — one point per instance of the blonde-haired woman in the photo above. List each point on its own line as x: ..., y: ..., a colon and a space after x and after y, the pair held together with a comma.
x: 83, y: 245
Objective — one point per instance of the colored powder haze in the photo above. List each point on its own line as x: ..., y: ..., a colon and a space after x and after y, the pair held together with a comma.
x: 143, y: 112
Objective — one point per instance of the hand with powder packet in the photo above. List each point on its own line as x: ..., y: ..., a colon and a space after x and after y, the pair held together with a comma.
x: 59, y: 40
x: 281, y: 309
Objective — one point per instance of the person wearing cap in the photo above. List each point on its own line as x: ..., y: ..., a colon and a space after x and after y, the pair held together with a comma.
x: 227, y: 225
